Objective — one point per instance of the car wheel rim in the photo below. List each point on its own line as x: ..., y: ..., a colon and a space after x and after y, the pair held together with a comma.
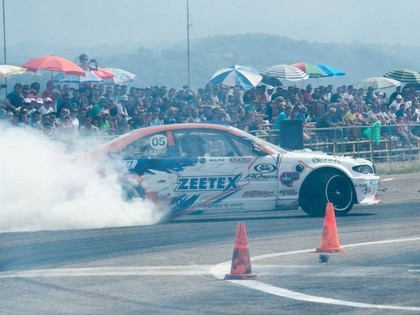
x: 339, y: 192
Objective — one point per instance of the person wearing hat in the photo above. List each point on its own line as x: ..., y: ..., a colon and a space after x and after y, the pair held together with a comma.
x: 47, y: 106
x: 397, y: 102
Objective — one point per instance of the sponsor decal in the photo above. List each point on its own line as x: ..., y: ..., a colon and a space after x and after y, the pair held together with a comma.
x: 221, y: 183
x: 257, y: 193
x: 240, y: 159
x: 260, y: 177
x: 130, y: 164
x: 221, y: 206
x: 286, y: 192
x: 216, y: 159
x: 325, y: 160
x: 287, y: 178
x: 265, y: 168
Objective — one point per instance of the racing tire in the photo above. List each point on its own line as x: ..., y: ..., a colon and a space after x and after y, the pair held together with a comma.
x: 323, y: 187
x: 131, y: 191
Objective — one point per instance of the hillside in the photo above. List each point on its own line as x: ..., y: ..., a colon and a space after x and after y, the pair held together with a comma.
x: 168, y: 65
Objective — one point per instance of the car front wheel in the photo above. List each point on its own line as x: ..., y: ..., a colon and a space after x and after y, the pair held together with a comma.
x: 323, y: 187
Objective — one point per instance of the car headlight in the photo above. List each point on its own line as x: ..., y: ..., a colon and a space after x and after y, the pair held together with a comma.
x: 364, y: 169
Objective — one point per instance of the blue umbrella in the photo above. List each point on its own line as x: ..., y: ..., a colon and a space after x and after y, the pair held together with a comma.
x: 240, y: 76
x: 330, y: 71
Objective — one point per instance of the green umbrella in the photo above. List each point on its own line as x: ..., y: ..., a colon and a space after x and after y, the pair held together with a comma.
x: 310, y: 69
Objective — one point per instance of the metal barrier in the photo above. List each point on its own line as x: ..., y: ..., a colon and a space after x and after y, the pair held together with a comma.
x: 389, y: 146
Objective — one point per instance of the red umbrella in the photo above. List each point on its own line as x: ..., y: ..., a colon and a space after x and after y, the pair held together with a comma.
x: 103, y: 73
x: 53, y: 63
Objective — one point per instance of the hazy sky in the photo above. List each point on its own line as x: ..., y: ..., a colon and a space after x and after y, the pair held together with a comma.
x: 92, y: 22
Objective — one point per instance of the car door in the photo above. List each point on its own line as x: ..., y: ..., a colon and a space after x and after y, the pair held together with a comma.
x: 227, y: 175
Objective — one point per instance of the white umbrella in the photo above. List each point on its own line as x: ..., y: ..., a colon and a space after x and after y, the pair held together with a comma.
x: 9, y: 70
x: 377, y: 83
x: 285, y: 72
x: 120, y: 76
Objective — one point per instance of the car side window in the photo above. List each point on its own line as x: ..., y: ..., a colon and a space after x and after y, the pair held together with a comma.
x: 242, y: 148
x: 203, y: 143
x: 152, y: 146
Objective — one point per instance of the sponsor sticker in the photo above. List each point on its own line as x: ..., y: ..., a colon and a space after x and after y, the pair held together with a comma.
x: 261, y: 177
x: 240, y: 159
x: 265, y: 168
x: 287, y: 178
x: 130, y: 164
x: 325, y: 160
x: 220, y: 183
x: 286, y: 192
x: 257, y: 193
x: 221, y: 206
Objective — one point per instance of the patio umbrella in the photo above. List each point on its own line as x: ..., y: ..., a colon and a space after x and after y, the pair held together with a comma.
x: 9, y: 70
x: 285, y: 72
x: 103, y: 74
x: 236, y: 75
x: 404, y: 75
x: 53, y: 64
x: 120, y: 76
x: 310, y: 69
x: 269, y: 80
x: 377, y: 83
x: 89, y: 77
x: 331, y: 71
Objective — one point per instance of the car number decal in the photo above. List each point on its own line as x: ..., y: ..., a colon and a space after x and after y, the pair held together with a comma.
x: 158, y: 142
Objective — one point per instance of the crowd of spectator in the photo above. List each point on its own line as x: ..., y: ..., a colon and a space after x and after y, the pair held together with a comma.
x: 95, y: 109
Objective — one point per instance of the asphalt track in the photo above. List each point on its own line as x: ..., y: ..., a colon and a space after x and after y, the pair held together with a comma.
x: 177, y: 268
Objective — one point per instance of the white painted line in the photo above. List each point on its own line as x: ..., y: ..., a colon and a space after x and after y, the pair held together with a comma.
x: 192, y: 270
x: 221, y: 269
x: 256, y: 285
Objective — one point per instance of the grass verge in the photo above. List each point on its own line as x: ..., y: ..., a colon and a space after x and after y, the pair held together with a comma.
x: 403, y: 167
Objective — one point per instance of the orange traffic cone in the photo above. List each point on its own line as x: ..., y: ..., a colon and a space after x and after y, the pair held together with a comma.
x: 241, y: 264
x: 329, y: 242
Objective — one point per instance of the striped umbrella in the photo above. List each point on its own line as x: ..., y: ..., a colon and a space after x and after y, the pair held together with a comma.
x: 237, y: 76
x: 285, y: 72
x: 312, y: 70
x: 404, y: 75
x: 330, y: 71
x: 377, y: 83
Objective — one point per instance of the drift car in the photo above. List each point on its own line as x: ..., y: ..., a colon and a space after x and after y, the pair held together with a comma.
x: 199, y: 167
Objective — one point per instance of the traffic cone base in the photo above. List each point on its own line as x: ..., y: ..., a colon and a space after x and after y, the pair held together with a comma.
x: 329, y: 241
x: 241, y: 263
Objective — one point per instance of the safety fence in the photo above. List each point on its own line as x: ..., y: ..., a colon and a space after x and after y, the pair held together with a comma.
x: 385, y: 144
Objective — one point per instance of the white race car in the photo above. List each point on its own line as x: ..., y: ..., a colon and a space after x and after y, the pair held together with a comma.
x: 200, y: 167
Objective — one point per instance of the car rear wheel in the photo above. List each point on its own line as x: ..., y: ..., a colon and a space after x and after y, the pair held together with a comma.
x: 132, y: 191
x: 328, y: 186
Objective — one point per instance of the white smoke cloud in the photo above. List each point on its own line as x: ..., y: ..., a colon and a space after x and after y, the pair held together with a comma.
x: 43, y: 188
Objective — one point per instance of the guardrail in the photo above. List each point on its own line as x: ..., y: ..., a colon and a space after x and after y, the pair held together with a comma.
x: 349, y: 140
